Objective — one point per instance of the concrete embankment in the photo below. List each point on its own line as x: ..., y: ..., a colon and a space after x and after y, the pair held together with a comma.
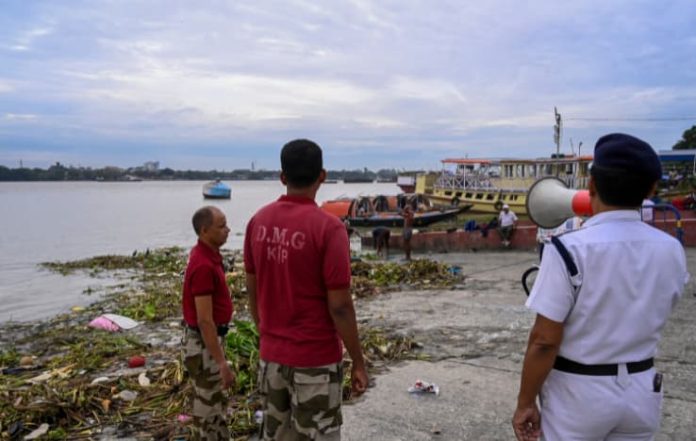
x: 476, y: 337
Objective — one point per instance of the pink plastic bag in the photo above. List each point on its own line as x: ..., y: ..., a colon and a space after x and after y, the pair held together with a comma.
x: 104, y: 323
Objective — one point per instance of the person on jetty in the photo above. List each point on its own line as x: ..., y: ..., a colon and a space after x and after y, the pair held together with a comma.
x: 297, y: 261
x: 507, y: 220
x: 408, y: 231
x: 380, y: 241
x: 207, y: 309
x: 601, y: 300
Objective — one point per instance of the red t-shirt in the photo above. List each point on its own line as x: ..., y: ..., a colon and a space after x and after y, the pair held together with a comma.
x: 298, y: 253
x: 205, y: 275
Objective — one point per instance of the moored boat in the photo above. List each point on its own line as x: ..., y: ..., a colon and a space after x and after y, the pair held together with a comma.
x: 386, y: 211
x: 217, y: 190
x: 489, y: 184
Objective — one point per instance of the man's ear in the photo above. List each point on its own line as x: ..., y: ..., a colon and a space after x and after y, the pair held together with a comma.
x: 322, y: 176
x: 591, y: 187
x: 283, y: 179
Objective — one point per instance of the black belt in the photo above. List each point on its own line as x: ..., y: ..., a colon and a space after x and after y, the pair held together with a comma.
x: 573, y: 367
x: 222, y: 330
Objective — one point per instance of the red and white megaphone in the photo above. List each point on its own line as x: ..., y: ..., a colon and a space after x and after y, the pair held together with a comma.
x: 550, y: 202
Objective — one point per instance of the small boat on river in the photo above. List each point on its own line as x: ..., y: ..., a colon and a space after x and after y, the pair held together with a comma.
x: 385, y: 211
x: 217, y: 190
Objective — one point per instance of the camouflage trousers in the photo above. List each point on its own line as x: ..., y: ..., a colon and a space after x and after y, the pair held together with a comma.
x: 301, y: 404
x: 209, y: 400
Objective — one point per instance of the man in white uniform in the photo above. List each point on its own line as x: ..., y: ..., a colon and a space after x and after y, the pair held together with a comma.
x: 590, y: 353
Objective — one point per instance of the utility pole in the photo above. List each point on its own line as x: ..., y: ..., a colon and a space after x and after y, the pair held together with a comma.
x: 557, y: 131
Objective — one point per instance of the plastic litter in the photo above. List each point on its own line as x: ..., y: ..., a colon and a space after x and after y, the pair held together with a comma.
x: 41, y: 431
x: 113, y: 322
x: 102, y: 322
x: 455, y: 270
x: 183, y: 418
x: 136, y: 361
x: 100, y: 380
x: 258, y: 416
x: 143, y: 380
x: 422, y: 387
x: 127, y: 395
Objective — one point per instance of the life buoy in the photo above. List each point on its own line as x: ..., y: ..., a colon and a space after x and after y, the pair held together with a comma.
x: 455, y: 201
x: 498, y: 205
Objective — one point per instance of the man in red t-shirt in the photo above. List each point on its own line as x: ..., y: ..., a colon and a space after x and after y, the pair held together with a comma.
x: 207, y: 309
x: 297, y: 260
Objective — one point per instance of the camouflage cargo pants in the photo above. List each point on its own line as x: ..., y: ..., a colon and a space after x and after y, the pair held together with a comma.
x: 209, y: 400
x: 301, y: 404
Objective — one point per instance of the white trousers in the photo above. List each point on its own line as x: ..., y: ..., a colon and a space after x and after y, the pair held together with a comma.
x: 598, y: 408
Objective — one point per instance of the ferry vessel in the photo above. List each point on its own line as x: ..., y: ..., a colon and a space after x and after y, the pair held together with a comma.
x: 487, y: 184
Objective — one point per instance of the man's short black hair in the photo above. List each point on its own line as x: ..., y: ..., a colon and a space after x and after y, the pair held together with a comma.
x: 621, y: 189
x: 301, y: 162
x: 202, y: 218
x: 624, y: 170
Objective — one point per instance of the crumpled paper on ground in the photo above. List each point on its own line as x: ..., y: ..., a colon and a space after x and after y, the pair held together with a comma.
x: 422, y: 387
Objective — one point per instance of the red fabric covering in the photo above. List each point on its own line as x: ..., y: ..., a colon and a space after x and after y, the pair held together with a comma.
x: 205, y: 275
x: 298, y: 253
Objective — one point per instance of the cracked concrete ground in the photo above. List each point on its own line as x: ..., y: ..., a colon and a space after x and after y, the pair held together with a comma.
x: 476, y: 337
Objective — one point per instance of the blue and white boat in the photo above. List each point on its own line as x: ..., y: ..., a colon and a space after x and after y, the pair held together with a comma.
x: 216, y: 190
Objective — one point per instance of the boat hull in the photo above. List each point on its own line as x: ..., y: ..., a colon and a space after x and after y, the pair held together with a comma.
x: 228, y: 195
x: 482, y: 201
x: 419, y: 220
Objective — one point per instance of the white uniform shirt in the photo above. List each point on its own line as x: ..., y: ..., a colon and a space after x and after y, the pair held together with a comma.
x: 506, y: 219
x: 631, y: 277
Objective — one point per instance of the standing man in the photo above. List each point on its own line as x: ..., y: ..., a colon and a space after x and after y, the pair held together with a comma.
x: 408, y: 230
x: 207, y: 309
x: 380, y: 241
x: 602, y: 298
x: 297, y: 260
x: 507, y: 220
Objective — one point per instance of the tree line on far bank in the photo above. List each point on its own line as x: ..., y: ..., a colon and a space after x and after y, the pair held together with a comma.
x: 60, y: 172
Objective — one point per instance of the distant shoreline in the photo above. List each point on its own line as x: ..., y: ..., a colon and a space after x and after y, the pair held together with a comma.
x: 59, y: 172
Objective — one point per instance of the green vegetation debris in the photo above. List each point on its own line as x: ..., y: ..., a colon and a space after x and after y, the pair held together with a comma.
x: 68, y: 356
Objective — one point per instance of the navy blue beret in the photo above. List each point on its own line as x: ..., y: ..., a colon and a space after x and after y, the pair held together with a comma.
x: 626, y: 154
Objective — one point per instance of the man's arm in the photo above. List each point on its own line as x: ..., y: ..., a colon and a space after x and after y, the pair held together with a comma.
x: 251, y: 292
x: 343, y: 315
x: 544, y: 341
x: 208, y: 330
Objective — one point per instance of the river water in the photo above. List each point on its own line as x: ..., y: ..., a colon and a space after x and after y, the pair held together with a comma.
x: 49, y: 221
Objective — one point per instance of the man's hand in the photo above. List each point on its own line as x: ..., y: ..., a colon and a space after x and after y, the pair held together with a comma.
x: 527, y: 423
x: 226, y: 375
x: 358, y: 380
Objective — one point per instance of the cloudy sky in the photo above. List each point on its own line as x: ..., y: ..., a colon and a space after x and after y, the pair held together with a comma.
x: 218, y: 84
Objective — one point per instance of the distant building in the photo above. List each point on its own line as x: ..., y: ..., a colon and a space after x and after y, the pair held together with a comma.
x: 151, y: 166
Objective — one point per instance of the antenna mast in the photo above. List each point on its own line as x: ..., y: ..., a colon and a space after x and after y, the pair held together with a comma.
x: 557, y: 131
